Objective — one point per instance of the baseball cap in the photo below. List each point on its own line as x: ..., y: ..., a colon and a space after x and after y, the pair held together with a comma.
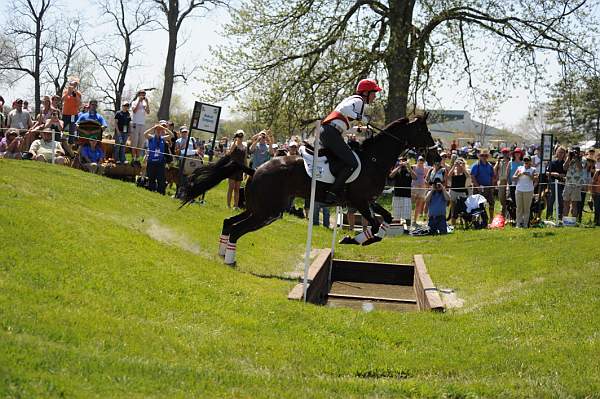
x: 239, y: 133
x: 293, y: 143
x: 420, y: 158
x: 526, y: 158
x: 505, y: 150
x: 183, y: 129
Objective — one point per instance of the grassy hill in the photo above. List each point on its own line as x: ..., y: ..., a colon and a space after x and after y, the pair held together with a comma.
x: 107, y: 290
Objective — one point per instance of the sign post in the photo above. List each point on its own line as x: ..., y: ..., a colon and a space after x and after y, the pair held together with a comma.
x: 205, y: 117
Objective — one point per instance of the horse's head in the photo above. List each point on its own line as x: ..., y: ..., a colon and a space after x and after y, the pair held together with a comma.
x: 419, y: 138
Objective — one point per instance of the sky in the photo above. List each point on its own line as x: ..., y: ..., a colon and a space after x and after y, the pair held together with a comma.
x: 205, y: 31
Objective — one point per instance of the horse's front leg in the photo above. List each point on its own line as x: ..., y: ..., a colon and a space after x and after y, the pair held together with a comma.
x: 368, y: 236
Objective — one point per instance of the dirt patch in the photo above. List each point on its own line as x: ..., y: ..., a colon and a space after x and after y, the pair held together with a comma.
x: 171, y: 237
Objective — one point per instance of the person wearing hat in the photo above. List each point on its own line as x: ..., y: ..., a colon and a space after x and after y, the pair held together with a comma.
x: 92, y: 115
x: 525, y: 178
x: 159, y: 140
x: 122, y: 128
x: 71, y: 99
x: 19, y: 118
x: 482, y: 178
x: 501, y: 170
x: 238, y: 152
x: 140, y: 108
x: 41, y: 149
x: 180, y: 143
x: 9, y: 145
x: 293, y: 148
x: 336, y: 124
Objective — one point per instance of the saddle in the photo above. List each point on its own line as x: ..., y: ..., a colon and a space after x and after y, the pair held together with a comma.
x: 310, y: 150
x: 324, y: 166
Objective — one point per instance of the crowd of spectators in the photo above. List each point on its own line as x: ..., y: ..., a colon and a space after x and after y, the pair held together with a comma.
x: 420, y: 191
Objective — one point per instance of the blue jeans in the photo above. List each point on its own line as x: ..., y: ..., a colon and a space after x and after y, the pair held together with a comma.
x: 550, y: 207
x: 437, y: 224
x: 326, y: 214
x: 70, y: 127
x: 119, y: 150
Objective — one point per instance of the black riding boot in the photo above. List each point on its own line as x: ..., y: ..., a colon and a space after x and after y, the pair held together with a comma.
x: 336, y: 193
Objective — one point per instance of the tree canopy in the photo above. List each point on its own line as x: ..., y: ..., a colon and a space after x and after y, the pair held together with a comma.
x: 293, y: 60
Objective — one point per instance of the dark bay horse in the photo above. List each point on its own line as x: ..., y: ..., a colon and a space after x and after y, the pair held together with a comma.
x: 276, y: 182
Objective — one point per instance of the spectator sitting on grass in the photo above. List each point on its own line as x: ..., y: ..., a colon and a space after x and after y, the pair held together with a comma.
x: 9, y: 145
x: 92, y: 157
x: 41, y: 149
x: 437, y: 199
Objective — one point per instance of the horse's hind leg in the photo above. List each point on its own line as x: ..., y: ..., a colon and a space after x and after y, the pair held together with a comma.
x: 227, y: 223
x: 247, y: 225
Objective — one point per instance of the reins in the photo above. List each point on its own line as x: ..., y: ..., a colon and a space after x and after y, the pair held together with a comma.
x: 405, y: 142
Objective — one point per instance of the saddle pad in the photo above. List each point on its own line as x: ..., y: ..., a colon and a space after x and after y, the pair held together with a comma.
x: 323, y: 172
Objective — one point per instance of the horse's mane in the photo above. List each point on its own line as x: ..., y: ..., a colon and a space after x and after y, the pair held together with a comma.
x: 375, y: 138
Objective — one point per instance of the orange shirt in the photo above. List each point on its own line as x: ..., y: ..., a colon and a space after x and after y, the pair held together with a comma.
x: 71, y: 103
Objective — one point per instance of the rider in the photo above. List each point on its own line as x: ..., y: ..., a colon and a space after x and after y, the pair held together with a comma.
x: 336, y: 124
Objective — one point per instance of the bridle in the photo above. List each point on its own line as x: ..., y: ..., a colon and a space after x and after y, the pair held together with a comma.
x: 403, y: 142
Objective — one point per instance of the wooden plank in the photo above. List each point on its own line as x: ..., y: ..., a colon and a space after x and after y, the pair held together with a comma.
x: 318, y: 284
x: 372, y: 272
x: 372, y: 298
x: 428, y: 296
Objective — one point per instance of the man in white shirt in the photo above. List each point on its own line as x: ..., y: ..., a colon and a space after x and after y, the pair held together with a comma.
x: 336, y: 124
x: 140, y: 108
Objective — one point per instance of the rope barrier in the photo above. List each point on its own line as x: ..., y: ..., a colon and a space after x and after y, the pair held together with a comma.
x: 66, y: 135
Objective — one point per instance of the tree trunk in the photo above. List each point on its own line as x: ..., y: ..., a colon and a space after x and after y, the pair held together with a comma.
x: 399, y: 58
x: 36, y: 64
x: 122, y: 75
x: 165, y: 102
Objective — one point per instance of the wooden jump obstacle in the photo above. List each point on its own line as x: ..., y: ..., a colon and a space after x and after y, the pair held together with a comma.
x: 369, y: 285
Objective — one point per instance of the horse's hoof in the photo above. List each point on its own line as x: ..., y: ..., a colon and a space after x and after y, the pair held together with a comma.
x: 348, y: 240
x: 372, y: 240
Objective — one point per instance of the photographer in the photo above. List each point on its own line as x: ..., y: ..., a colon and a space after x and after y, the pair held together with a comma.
x: 402, y: 176
x: 261, y: 148
x: 573, y: 182
x: 525, y: 176
x: 436, y: 201
x: 237, y: 151
x: 140, y: 108
x: 159, y: 140
x: 71, y: 99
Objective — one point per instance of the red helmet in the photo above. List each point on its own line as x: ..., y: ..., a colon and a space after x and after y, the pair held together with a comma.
x: 367, y: 85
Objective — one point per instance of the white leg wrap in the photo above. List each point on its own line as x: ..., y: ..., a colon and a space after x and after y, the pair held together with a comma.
x: 230, y: 254
x: 382, y: 230
x: 364, y: 236
x: 223, y: 240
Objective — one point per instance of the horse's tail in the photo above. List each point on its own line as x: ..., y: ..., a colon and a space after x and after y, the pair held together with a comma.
x: 208, y: 176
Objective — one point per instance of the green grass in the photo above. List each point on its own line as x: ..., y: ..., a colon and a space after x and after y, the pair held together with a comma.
x: 107, y: 290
